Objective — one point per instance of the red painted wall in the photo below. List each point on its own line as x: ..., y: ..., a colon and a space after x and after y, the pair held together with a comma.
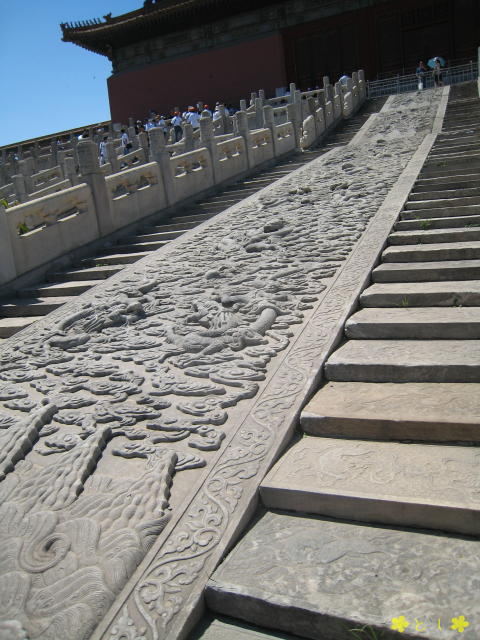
x: 226, y: 74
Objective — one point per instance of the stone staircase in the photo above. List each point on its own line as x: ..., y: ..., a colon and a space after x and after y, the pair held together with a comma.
x: 370, y: 522
x: 31, y: 303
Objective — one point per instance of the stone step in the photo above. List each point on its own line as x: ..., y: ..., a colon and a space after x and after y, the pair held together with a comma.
x: 441, y: 202
x: 11, y: 326
x: 135, y: 246
x: 444, y: 194
x: 19, y: 307
x: 422, y: 294
x: 452, y: 148
x: 321, y: 578
x: 164, y: 228
x: 448, y: 182
x: 194, y: 217
x: 405, y: 361
x: 117, y: 258
x: 432, y: 252
x: 427, y: 271
x: 86, y: 274
x: 434, y: 235
x: 452, y: 323
x: 159, y: 236
x: 74, y: 288
x: 426, y: 487
x: 424, y: 412
x: 456, y: 222
x: 443, y: 212
x: 452, y: 171
x: 221, y: 628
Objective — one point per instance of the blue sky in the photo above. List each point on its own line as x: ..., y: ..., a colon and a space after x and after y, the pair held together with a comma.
x: 48, y: 85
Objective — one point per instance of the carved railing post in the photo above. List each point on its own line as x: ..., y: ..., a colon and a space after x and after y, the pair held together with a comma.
x: 132, y: 136
x: 269, y: 123
x: 142, y: 140
x: 19, y: 188
x: 160, y: 155
x: 7, y: 261
x: 70, y: 173
x: 112, y: 157
x: 241, y: 127
x: 295, y: 117
x: 292, y: 88
x: 243, y: 105
x: 337, y: 100
x: 207, y: 138
x: 187, y: 139
x: 91, y: 173
x: 26, y: 170
x: 258, y: 113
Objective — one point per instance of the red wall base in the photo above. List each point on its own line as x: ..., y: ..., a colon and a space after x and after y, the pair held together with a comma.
x: 225, y: 75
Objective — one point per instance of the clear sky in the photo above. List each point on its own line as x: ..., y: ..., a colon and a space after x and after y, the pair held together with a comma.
x: 48, y: 85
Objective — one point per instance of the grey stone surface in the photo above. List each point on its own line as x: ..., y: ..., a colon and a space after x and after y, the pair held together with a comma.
x: 463, y: 293
x: 438, y: 223
x: 388, y: 411
x: 420, y: 486
x: 434, y: 235
x: 451, y: 323
x: 156, y: 402
x: 439, y: 212
x: 427, y: 271
x: 433, y: 252
x: 457, y: 201
x: 9, y: 326
x: 405, y: 361
x: 228, y: 629
x: 314, y: 577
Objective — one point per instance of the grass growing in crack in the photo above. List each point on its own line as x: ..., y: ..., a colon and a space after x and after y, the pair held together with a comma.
x: 367, y: 632
x: 425, y: 224
x: 404, y: 303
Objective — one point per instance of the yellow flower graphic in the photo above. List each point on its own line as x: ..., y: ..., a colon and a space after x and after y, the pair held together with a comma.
x: 459, y: 624
x: 399, y: 624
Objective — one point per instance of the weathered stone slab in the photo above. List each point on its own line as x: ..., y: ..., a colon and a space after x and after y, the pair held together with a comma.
x: 173, y: 386
x: 433, y: 252
x: 440, y: 212
x: 424, y: 411
x: 405, y: 361
x: 321, y: 578
x: 463, y: 293
x: 464, y: 222
x: 457, y: 201
x: 227, y: 629
x: 421, y: 486
x: 432, y: 236
x: 452, y: 323
x: 10, y: 326
x: 427, y: 271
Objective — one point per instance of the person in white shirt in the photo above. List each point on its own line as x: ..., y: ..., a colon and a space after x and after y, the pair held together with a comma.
x: 126, y: 144
x: 193, y: 117
x: 176, y: 123
x: 102, y: 147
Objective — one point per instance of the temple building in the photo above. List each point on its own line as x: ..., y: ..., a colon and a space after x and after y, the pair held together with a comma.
x: 172, y: 52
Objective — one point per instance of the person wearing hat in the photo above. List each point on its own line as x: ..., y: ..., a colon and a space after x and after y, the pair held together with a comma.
x: 193, y: 117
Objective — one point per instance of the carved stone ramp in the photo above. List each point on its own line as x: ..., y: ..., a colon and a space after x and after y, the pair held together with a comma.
x: 387, y: 468
x: 130, y: 249
x: 140, y: 418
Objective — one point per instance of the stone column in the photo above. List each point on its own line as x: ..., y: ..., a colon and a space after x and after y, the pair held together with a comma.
x: 243, y: 105
x: 363, y: 85
x: 112, y: 157
x: 292, y: 88
x: 19, y: 188
x: 91, y: 173
x: 26, y: 170
x: 269, y: 123
x: 53, y: 152
x: 207, y: 139
x: 258, y: 113
x: 160, y: 155
x: 355, y: 91
x: 226, y: 120
x: 70, y: 173
x: 241, y: 127
x: 131, y: 122
x: 253, y: 97
x: 132, y: 136
x: 337, y: 100
x: 7, y: 260
x: 312, y: 111
x: 142, y: 140
x: 188, y: 141
x: 294, y: 116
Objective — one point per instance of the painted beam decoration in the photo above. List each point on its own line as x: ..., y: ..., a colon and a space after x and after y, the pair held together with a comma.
x: 127, y: 435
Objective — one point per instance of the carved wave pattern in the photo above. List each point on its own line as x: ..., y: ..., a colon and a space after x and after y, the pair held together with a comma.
x: 149, y: 370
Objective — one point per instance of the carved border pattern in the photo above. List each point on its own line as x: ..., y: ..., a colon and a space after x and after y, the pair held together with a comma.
x: 172, y: 583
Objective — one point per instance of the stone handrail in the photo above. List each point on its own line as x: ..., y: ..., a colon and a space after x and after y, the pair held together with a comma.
x: 112, y: 197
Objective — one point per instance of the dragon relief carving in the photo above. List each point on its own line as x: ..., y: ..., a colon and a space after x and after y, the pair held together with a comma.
x: 147, y: 370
